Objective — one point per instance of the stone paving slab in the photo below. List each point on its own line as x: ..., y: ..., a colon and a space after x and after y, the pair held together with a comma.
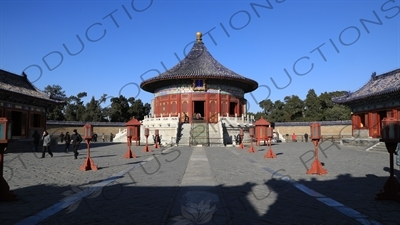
x: 41, y: 183
x: 354, y: 177
x: 243, y: 188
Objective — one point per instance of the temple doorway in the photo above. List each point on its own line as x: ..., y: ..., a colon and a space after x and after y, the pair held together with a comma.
x: 232, y: 106
x: 198, y: 107
x: 18, y: 128
x: 382, y: 114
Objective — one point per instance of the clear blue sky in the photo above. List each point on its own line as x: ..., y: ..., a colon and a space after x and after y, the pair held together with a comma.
x: 334, y: 45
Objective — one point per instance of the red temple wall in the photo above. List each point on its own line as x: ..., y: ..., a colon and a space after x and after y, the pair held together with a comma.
x: 371, y: 120
x: 176, y: 104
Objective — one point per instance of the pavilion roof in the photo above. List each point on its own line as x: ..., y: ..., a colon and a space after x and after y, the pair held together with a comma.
x: 262, y: 122
x: 133, y: 122
x: 199, y: 64
x: 383, y: 84
x: 20, y: 85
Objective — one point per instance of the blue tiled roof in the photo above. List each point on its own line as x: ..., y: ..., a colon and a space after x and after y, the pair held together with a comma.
x: 378, y: 85
x: 13, y: 83
x: 199, y: 64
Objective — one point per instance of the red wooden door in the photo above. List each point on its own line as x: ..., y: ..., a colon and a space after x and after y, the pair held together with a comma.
x: 213, y: 115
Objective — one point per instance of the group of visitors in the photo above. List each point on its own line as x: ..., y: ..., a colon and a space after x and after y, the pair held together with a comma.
x: 294, y: 137
x: 75, y: 139
x: 103, y: 137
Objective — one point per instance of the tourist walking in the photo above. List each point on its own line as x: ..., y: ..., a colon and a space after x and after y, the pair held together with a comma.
x: 67, y: 141
x: 46, y: 144
x: 76, y: 139
x: 36, y: 140
x: 103, y: 137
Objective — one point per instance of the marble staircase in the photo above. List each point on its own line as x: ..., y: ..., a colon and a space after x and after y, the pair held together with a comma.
x: 199, y: 134
x: 183, y: 134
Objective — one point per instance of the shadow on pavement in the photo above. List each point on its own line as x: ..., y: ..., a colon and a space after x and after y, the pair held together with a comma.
x: 122, y: 203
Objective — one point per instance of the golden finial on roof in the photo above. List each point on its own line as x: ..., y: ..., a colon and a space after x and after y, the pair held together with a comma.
x: 198, y: 36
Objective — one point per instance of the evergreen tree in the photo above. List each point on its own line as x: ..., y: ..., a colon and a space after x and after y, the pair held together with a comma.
x: 312, y: 104
x: 267, y: 106
x: 119, y: 111
x: 337, y: 112
x: 294, y: 108
x: 75, y: 109
x: 278, y: 114
x: 137, y: 109
x: 329, y: 108
x: 55, y: 112
x: 93, y: 111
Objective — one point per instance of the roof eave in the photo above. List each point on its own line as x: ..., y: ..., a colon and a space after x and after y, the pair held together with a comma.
x: 251, y: 85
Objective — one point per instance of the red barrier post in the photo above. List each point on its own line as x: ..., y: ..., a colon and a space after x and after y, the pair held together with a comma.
x: 5, y: 135
x: 270, y: 153
x: 88, y: 164
x: 146, y: 134
x: 316, y: 166
x: 129, y: 134
x: 391, y: 137
x: 251, y: 149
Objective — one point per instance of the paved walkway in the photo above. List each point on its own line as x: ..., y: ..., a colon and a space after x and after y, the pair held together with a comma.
x: 200, y: 185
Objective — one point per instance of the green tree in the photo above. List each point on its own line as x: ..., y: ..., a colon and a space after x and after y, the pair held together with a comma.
x: 329, y: 108
x: 75, y: 109
x: 119, y: 111
x: 267, y: 106
x: 294, y: 108
x: 258, y: 116
x: 312, y: 104
x: 93, y: 111
x: 137, y: 109
x: 278, y: 114
x: 337, y: 112
x: 55, y: 112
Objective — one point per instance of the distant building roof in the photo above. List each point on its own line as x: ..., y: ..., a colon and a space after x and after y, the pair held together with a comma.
x: 20, y: 85
x: 383, y: 84
x: 199, y: 64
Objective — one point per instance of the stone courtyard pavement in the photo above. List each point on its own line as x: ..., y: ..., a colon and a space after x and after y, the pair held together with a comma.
x: 199, y: 185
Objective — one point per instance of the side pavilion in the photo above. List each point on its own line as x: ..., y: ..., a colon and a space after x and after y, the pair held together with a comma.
x: 377, y: 99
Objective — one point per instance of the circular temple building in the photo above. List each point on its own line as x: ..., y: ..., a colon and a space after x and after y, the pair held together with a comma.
x: 199, y: 88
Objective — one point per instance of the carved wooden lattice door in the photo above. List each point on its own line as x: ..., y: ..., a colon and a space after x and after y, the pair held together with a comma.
x: 374, y: 128
x: 213, y: 116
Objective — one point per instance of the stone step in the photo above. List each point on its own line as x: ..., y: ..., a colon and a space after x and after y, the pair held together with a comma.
x: 379, y: 147
x: 184, y: 139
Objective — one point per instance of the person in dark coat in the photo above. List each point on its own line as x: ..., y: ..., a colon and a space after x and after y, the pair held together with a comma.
x: 397, y: 153
x: 62, y: 137
x: 46, y: 144
x: 76, y: 139
x: 306, y: 137
x: 67, y: 142
x: 36, y: 140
